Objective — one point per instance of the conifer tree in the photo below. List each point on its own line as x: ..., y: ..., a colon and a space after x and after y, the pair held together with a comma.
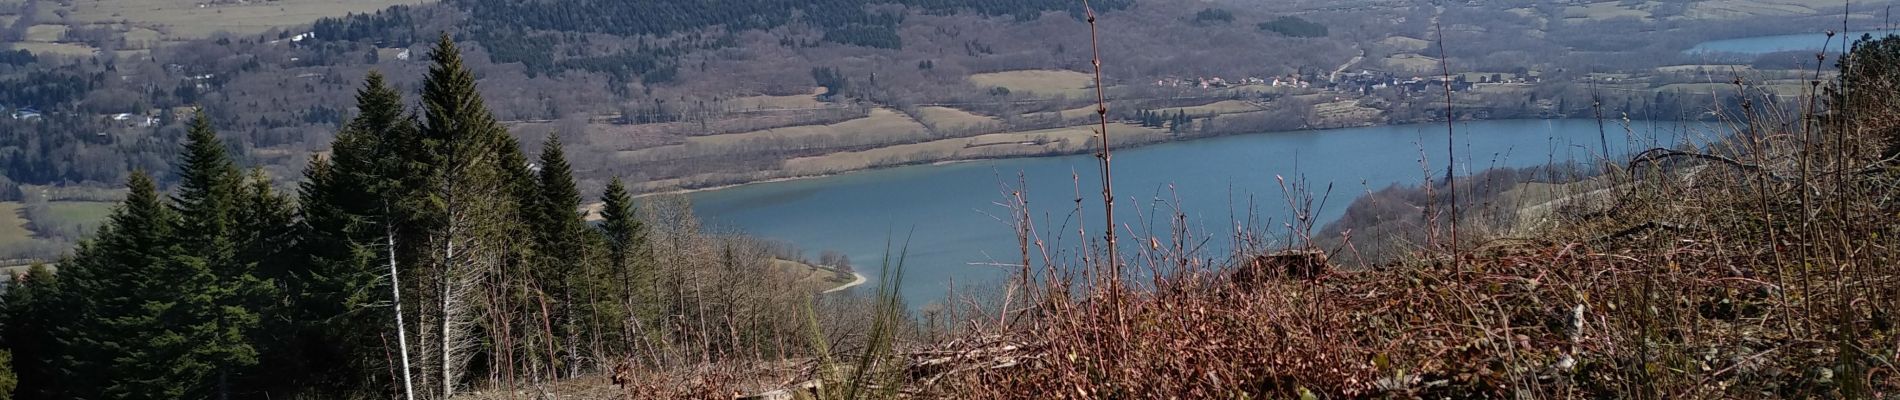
x: 527, y: 293
x: 207, y: 185
x: 207, y: 206
x: 348, y: 201
x: 263, y: 231
x: 8, y: 380
x: 146, y: 325
x: 30, y: 313
x: 561, y: 243
x: 631, y: 275
x: 463, y: 208
x: 339, y: 306
x: 265, y: 238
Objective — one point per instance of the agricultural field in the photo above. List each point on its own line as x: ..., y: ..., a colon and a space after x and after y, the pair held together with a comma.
x: 69, y: 49
x: 946, y: 118
x: 1041, y: 82
x: 883, y: 125
x: 28, y: 232
x: 46, y: 39
x: 794, y: 102
x: 1411, y: 63
x: 1606, y: 10
x: 1012, y: 144
x: 144, y: 38
x: 13, y: 224
x: 192, y: 19
x: 1711, y: 9
x: 1402, y: 43
x: 1724, y: 9
x: 1712, y: 88
x: 1087, y: 111
x: 46, y: 33
x: 80, y: 212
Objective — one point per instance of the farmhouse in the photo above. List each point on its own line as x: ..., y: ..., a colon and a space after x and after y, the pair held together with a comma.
x: 26, y: 113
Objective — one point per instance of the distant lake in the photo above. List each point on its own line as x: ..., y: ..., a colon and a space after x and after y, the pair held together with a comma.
x: 1778, y: 43
x: 950, y: 214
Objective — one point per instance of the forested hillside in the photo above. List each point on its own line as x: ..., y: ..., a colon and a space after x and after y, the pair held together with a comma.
x: 554, y: 37
x: 425, y: 242
x: 279, y: 89
x: 604, y: 73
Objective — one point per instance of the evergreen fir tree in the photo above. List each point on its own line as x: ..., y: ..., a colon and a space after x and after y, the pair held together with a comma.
x: 347, y: 203
x: 335, y: 291
x: 264, y: 218
x: 265, y: 241
x: 31, y: 313
x: 561, y: 243
x: 632, y: 277
x: 145, y: 323
x: 464, y: 209
x: 365, y: 153
x: 8, y: 380
x: 530, y: 286
x: 207, y: 206
x: 207, y: 190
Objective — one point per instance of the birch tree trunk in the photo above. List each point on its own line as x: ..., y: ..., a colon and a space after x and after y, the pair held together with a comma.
x: 402, y: 336
x: 446, y: 373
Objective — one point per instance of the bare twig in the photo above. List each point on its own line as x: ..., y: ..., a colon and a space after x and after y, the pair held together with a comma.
x: 1451, y: 137
x: 1101, y: 112
x: 1659, y: 154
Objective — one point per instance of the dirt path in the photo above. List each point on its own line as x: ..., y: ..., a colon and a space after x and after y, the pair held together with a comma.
x: 857, y: 279
x: 1348, y: 65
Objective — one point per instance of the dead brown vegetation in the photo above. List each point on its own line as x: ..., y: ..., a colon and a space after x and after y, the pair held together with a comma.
x: 1759, y: 267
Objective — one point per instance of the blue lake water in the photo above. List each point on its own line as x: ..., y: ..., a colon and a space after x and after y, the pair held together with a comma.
x: 950, y: 213
x: 956, y: 232
x: 1778, y: 43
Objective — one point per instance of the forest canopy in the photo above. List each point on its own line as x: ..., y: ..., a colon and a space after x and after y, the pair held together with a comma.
x: 1294, y: 27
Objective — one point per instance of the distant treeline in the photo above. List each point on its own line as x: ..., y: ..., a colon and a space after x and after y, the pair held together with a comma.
x: 666, y: 18
x: 535, y: 33
x: 1294, y: 27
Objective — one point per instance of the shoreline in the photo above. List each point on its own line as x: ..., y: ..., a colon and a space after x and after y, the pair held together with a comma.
x: 804, y: 273
x: 734, y: 185
x: 954, y: 161
x: 1058, y: 153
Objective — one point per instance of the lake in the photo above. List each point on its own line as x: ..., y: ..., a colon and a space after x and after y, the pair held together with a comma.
x: 956, y: 231
x: 1777, y: 43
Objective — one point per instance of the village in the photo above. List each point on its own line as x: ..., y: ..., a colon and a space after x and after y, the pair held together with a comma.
x: 1364, y: 82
